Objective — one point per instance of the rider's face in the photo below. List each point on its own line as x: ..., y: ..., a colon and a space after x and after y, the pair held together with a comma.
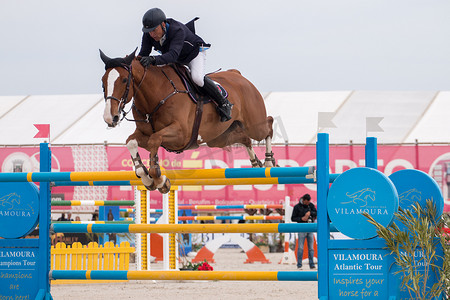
x: 157, y: 33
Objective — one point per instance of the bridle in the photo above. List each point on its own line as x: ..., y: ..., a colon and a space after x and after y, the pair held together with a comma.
x: 123, y: 99
x: 147, y: 117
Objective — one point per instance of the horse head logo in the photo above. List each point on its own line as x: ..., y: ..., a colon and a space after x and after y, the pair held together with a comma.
x: 361, y: 197
x: 10, y: 201
x: 409, y: 197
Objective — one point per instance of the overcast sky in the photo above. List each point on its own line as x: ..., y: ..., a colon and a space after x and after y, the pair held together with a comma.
x: 51, y: 46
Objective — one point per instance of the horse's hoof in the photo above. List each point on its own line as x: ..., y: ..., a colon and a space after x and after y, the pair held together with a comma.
x: 166, y: 187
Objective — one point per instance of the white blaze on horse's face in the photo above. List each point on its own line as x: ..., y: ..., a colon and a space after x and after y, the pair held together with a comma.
x: 112, y: 77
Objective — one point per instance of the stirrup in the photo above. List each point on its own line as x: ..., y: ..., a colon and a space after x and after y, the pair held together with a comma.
x: 225, y: 111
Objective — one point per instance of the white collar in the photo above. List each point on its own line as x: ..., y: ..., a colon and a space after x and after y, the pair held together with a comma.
x: 163, y: 39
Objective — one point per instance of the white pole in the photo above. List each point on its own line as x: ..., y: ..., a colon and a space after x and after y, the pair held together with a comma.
x: 137, y: 236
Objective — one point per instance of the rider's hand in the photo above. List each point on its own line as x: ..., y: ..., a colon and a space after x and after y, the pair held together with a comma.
x: 147, y: 61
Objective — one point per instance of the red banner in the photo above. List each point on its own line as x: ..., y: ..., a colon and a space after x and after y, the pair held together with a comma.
x: 432, y: 159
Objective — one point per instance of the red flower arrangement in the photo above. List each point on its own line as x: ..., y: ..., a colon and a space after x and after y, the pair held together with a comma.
x: 205, y: 267
x: 202, y: 266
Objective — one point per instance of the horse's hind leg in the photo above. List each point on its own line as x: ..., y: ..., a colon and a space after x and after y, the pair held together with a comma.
x: 235, y: 134
x: 262, y: 130
x: 270, y: 160
x: 256, y: 163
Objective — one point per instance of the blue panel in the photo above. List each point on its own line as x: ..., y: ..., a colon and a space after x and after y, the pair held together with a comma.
x: 334, y: 176
x: 19, y: 209
x: 19, y: 273
x: 376, y: 243
x: 361, y: 190
x: 26, y: 243
x: 360, y: 274
x: 297, y: 276
x: 416, y: 186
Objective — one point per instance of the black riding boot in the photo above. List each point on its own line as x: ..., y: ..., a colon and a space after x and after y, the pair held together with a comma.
x: 223, y: 105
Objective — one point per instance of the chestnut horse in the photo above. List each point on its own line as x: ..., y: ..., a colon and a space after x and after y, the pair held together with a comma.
x: 164, y: 114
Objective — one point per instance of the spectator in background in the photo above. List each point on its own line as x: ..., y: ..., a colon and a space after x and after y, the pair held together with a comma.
x: 62, y: 218
x: 305, y: 212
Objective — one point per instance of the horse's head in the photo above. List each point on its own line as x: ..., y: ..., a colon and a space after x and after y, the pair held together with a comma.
x: 117, y: 83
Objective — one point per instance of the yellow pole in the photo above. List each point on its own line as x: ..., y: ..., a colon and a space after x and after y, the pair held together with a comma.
x: 207, y: 275
x: 144, y: 258
x: 172, y: 244
x: 210, y: 228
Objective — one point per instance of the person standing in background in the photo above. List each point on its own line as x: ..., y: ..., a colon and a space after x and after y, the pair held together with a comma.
x: 305, y: 212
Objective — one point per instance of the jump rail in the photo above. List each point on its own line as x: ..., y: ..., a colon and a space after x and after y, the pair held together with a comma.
x: 306, y: 172
x: 185, y: 228
x: 187, y: 275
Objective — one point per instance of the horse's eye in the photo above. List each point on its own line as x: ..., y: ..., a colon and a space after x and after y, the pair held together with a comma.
x: 124, y: 80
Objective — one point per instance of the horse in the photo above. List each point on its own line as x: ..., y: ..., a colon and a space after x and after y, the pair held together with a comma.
x: 165, y: 115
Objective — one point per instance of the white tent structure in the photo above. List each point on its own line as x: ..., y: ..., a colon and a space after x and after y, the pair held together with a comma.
x: 407, y: 117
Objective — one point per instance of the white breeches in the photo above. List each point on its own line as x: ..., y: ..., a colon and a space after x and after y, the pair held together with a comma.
x: 197, y: 67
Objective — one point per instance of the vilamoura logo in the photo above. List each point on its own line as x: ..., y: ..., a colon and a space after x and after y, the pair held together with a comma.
x: 361, y: 201
x: 408, y: 198
x: 10, y: 206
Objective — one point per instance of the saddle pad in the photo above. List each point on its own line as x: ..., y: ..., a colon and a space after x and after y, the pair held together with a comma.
x: 195, y: 92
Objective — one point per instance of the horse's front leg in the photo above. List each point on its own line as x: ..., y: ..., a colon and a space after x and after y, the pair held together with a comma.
x: 139, y: 168
x: 172, y: 135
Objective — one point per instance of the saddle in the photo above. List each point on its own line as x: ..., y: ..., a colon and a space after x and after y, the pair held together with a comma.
x: 195, y: 92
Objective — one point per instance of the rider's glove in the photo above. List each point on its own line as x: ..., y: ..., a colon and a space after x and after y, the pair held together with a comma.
x: 147, y: 61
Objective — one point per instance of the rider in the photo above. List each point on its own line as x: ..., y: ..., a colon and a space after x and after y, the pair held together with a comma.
x: 178, y: 44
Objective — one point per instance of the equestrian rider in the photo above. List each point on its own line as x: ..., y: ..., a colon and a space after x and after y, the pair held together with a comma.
x: 178, y: 44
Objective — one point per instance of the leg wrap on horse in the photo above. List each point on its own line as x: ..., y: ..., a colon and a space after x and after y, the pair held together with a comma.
x: 156, y: 165
x: 138, y: 164
x: 223, y: 105
x: 270, y: 158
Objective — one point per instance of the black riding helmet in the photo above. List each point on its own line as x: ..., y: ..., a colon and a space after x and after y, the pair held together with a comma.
x: 152, y: 18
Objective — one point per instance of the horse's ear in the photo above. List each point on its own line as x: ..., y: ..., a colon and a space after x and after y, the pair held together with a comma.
x: 129, y: 58
x: 104, y: 58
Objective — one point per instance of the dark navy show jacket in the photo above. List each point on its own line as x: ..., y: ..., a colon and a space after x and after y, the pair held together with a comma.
x: 181, y: 44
